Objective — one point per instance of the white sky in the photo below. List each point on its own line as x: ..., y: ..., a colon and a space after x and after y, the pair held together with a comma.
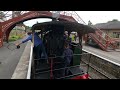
x: 99, y: 16
x: 93, y: 16
x: 34, y: 21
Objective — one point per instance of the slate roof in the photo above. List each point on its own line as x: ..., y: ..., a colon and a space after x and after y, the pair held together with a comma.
x: 109, y: 25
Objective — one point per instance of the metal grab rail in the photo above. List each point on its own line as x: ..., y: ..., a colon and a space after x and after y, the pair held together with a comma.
x: 28, y: 76
x: 58, y: 69
x: 88, y: 64
x: 52, y: 70
x: 62, y: 56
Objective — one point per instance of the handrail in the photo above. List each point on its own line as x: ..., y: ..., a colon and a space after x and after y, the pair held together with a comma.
x: 75, y: 15
x: 98, y: 41
x: 76, y: 74
x: 108, y: 40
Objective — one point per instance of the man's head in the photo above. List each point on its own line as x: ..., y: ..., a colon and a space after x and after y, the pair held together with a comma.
x: 66, y: 33
x: 66, y: 45
x: 29, y: 33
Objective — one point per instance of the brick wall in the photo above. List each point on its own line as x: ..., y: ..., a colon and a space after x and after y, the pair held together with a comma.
x: 1, y: 40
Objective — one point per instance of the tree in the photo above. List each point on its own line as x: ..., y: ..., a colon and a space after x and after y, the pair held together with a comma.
x: 16, y: 13
x: 2, y: 16
x: 114, y: 20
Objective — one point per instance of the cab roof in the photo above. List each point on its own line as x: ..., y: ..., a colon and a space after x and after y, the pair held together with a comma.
x: 68, y: 26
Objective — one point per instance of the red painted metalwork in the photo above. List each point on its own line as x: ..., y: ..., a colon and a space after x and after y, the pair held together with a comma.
x: 85, y: 38
x: 6, y: 27
x: 85, y: 76
x: 1, y: 42
x: 1, y: 39
x: 103, y: 40
x: 27, y: 16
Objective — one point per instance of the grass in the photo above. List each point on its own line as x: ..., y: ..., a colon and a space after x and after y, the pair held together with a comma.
x: 16, y: 35
x: 14, y: 38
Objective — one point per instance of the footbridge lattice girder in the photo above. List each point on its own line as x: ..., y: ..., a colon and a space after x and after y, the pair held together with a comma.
x: 5, y: 27
x: 27, y: 16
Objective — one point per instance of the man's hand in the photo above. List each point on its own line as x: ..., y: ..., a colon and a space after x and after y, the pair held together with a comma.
x: 17, y: 44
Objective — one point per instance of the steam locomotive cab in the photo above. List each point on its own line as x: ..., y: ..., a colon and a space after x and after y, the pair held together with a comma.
x: 54, y: 40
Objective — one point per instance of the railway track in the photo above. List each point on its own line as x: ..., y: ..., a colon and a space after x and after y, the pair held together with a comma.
x: 94, y: 71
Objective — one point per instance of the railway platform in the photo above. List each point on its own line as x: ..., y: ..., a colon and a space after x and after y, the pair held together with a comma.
x: 111, y: 56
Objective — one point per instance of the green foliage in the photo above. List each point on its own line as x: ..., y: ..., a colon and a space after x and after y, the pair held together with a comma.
x: 14, y: 38
x: 73, y: 37
x: 16, y: 34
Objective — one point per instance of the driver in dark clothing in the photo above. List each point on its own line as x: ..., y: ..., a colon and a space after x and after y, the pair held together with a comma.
x: 67, y: 55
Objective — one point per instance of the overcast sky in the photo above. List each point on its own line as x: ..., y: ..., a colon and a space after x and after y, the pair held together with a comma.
x: 93, y: 16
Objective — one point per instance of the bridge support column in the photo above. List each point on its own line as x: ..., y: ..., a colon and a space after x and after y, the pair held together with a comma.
x: 7, y: 36
x: 1, y: 36
x: 85, y: 38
